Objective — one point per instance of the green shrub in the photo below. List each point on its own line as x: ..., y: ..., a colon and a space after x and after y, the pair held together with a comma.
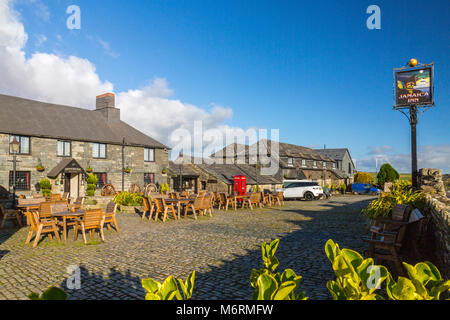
x: 128, y: 199
x: 169, y: 289
x: 401, y: 193
x: 45, y: 184
x: 387, y: 174
x: 274, y: 286
x: 356, y: 278
x: 91, y: 184
x: 363, y: 177
x: 52, y: 293
x: 46, y: 187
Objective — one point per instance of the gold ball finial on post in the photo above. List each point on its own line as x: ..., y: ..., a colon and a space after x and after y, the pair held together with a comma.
x: 412, y: 63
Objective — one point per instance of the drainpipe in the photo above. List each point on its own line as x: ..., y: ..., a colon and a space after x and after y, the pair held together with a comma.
x: 123, y: 164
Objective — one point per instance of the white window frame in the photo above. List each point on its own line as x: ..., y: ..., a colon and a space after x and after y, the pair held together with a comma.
x: 65, y: 143
x: 96, y: 150
x: 149, y: 154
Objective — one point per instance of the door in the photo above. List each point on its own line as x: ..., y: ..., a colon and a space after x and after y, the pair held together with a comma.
x: 74, y: 186
x: 67, y: 182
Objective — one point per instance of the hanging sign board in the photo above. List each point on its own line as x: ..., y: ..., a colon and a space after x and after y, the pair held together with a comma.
x: 413, y: 87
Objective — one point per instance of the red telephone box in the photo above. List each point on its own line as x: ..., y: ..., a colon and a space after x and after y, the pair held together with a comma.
x: 240, y: 185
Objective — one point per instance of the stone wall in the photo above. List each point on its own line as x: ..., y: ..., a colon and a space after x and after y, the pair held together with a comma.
x: 437, y: 208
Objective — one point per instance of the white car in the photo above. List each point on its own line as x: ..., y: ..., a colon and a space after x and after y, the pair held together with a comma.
x: 301, y: 189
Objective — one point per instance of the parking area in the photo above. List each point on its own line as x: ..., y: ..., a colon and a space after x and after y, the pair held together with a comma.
x: 222, y: 249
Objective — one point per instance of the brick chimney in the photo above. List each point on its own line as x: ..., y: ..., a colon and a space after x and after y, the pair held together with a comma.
x: 105, y: 104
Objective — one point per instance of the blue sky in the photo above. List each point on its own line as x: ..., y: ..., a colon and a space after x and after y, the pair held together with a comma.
x: 311, y: 69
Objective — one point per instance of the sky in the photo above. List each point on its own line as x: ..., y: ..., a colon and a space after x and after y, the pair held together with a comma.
x: 312, y: 70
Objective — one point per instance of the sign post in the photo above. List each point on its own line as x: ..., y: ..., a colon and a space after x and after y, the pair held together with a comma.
x: 414, y: 89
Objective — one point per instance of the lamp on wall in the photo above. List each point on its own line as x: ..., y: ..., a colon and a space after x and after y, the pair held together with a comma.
x: 14, y: 148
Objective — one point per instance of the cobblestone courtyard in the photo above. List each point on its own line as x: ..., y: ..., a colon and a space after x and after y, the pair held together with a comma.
x: 222, y: 249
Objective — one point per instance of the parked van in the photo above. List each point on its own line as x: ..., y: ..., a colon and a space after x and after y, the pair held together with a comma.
x: 301, y: 189
x: 364, y: 188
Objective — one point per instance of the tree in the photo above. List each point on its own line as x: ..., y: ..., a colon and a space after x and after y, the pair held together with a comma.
x: 387, y: 174
x: 363, y: 177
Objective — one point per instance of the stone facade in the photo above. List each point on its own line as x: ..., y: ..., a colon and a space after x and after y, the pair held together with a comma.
x: 44, y: 150
x: 437, y: 208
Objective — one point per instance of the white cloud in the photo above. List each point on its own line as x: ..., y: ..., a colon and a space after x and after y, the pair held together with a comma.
x: 74, y: 81
x: 435, y: 156
x: 380, y: 150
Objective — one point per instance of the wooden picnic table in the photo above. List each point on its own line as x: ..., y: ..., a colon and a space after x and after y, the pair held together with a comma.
x: 28, y: 207
x: 179, y: 203
x: 65, y: 215
x: 241, y: 197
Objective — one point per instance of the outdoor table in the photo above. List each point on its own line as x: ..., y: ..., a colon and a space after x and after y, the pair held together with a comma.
x: 179, y: 202
x: 68, y: 215
x: 241, y: 197
x: 28, y: 207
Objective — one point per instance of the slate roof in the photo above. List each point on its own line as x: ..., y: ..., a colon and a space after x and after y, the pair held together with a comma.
x: 186, y: 170
x: 284, y: 150
x: 226, y: 172
x: 21, y: 116
x: 337, y: 154
x: 53, y: 173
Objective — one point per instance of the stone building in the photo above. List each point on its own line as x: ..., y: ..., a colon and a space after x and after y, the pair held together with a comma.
x: 294, y: 162
x: 68, y: 141
x: 344, y: 162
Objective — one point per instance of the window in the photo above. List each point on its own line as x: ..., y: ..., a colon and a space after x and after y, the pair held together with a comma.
x: 99, y: 150
x: 334, y: 165
x: 149, y: 178
x: 149, y: 155
x: 324, y: 164
x: 24, y: 147
x: 350, y: 168
x: 290, y: 162
x: 101, y: 179
x: 64, y: 149
x: 22, y: 180
x: 315, y: 164
x: 303, y: 163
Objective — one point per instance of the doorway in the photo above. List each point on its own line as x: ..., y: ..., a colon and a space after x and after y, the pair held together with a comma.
x: 72, y: 184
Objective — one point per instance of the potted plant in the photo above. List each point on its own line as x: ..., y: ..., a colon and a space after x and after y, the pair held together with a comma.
x: 40, y: 167
x: 127, y: 170
x: 89, y: 169
x: 45, y: 187
x: 164, y: 171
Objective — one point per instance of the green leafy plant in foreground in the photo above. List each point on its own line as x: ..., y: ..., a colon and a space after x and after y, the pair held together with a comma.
x: 356, y: 278
x: 52, y: 293
x: 169, y: 289
x: 274, y: 286
x: 425, y: 283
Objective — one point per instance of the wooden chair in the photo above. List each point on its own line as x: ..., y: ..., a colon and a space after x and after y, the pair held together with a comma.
x: 93, y: 219
x: 266, y: 199
x: 225, y: 201
x: 45, y: 211
x: 278, y: 197
x: 40, y: 226
x: 55, y: 197
x: 185, y: 194
x: 149, y: 207
x: 78, y: 203
x: 163, y: 208
x: 386, y: 245
x: 196, y: 206
x: 110, y: 216
x: 253, y: 200
x: 399, y: 216
x: 206, y: 205
x: 10, y: 214
x: 65, y: 196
